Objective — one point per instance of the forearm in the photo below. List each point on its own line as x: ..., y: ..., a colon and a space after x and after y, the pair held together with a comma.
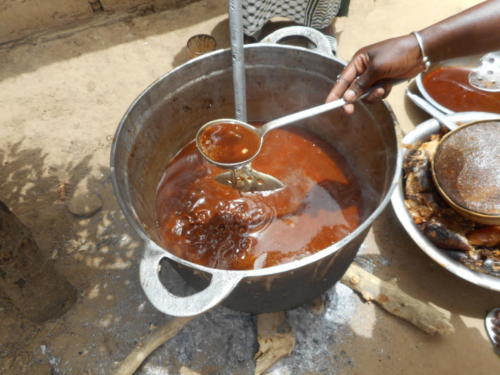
x: 473, y: 31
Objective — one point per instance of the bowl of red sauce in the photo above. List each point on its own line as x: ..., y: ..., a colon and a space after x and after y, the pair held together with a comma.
x: 446, y: 86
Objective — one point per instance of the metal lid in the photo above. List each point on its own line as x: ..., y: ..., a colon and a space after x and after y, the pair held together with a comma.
x: 466, y: 167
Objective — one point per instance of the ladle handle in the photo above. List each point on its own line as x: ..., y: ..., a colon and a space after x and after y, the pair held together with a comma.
x: 301, y: 115
x: 314, y: 111
x: 297, y: 116
x: 427, y: 107
x: 221, y: 285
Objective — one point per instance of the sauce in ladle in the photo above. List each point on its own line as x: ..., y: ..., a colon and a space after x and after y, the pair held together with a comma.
x: 229, y: 143
x: 218, y: 226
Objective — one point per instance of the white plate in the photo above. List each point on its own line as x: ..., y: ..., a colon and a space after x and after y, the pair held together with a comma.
x: 423, y: 132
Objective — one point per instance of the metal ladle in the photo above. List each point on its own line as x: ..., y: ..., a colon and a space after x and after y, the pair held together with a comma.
x: 242, y: 176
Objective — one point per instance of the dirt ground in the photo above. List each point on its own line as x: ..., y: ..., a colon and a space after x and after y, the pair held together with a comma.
x: 61, y: 98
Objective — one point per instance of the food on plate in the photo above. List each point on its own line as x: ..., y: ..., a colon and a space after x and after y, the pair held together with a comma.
x: 478, y: 244
x: 488, y: 236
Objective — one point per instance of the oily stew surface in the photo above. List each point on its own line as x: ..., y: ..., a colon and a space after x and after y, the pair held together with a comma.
x: 215, y: 225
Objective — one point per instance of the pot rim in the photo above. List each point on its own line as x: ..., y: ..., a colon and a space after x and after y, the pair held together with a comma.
x: 134, y: 221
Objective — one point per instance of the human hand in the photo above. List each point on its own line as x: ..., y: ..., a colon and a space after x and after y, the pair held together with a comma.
x: 378, y: 64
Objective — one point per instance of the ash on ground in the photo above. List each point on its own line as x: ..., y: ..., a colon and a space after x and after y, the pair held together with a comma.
x: 224, y: 342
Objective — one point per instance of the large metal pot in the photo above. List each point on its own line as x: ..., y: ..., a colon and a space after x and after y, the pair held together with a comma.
x: 280, y: 79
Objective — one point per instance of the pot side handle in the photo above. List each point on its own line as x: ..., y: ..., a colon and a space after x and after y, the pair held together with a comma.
x: 321, y: 41
x: 221, y: 285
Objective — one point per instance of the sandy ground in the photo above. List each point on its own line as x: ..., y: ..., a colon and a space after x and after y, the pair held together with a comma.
x: 61, y: 99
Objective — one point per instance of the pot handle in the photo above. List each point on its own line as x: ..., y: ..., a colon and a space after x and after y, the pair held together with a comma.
x: 321, y: 41
x: 221, y: 285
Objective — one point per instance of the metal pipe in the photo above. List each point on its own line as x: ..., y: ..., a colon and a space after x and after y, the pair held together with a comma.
x: 238, y: 59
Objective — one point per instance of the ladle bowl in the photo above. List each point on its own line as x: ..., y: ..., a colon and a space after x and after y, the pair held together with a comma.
x: 256, y: 132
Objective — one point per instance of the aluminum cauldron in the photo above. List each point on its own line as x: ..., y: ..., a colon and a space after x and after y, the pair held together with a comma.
x: 281, y: 79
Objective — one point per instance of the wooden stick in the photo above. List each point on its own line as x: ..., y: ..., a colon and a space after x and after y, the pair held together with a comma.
x: 187, y: 371
x: 390, y: 297
x: 149, y: 343
x: 275, y: 340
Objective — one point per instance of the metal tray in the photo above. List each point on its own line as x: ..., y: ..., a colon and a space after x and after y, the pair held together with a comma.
x: 423, y: 132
